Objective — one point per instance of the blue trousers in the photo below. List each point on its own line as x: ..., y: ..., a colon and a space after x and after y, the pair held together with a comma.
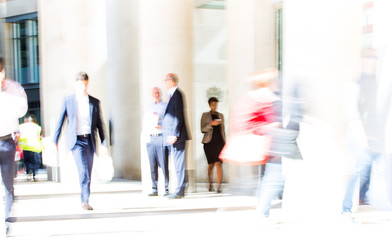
x: 7, y: 164
x: 177, y: 151
x: 271, y: 186
x: 84, y: 155
x: 361, y: 173
x: 158, y: 156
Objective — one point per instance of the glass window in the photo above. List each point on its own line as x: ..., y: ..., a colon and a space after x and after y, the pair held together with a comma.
x: 25, y: 51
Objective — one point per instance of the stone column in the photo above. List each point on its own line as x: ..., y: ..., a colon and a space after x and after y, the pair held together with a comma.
x: 123, y: 85
x: 250, y: 44
x: 322, y: 46
x: 167, y: 46
x: 72, y: 38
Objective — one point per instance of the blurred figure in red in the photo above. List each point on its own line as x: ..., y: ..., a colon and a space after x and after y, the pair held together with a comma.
x: 283, y: 136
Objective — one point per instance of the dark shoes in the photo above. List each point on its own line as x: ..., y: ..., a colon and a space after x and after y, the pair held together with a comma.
x: 175, y: 196
x: 86, y: 206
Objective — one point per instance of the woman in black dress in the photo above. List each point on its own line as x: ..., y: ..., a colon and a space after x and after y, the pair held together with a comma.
x: 212, y: 125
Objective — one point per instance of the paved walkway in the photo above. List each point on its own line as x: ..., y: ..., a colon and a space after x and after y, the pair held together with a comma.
x: 46, y: 210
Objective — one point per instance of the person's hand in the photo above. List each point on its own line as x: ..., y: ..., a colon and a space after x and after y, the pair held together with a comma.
x: 56, y: 146
x: 215, y: 123
x: 158, y: 127
x: 171, y: 139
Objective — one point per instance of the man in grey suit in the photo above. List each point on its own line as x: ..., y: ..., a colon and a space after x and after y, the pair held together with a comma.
x: 175, y: 133
x: 84, y: 119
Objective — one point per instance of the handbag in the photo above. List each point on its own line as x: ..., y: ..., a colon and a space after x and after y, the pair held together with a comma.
x: 246, y: 149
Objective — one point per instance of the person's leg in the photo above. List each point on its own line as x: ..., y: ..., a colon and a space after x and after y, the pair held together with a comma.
x: 179, y: 163
x: 7, y: 163
x: 271, y: 186
x: 219, y: 173
x: 163, y: 161
x: 210, y: 167
x: 152, y: 156
x: 79, y: 153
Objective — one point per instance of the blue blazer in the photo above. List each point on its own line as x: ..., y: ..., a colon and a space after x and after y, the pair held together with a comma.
x: 173, y: 122
x: 69, y: 112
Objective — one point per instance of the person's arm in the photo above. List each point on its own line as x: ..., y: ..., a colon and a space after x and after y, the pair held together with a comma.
x: 100, y: 126
x: 60, y: 122
x: 205, y: 125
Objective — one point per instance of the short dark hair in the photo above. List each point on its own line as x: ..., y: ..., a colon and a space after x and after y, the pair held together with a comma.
x: 81, y: 76
x: 1, y: 64
x: 212, y: 99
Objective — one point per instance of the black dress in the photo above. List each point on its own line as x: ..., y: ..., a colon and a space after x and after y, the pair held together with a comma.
x: 214, y: 147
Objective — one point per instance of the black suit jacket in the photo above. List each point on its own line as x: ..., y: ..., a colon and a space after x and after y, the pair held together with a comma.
x: 174, y: 123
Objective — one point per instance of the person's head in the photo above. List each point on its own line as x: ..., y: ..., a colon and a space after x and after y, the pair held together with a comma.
x: 81, y: 82
x: 156, y: 94
x: 29, y: 118
x: 171, y: 80
x: 2, y: 71
x: 264, y: 78
x: 213, y: 103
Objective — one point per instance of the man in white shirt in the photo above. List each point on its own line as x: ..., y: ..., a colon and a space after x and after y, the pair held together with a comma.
x: 83, y: 114
x: 156, y: 149
x: 13, y: 105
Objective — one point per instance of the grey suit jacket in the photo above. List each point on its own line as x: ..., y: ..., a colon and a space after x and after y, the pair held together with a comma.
x: 207, y: 129
x: 69, y: 112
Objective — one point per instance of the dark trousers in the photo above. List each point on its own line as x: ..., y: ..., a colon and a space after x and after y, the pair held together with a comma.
x: 32, y: 161
x: 158, y: 156
x: 84, y: 155
x: 7, y: 164
x: 177, y: 151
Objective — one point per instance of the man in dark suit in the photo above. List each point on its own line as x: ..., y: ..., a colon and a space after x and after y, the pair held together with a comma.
x: 84, y: 119
x: 175, y: 133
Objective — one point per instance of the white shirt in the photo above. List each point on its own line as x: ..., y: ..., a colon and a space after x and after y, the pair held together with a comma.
x: 83, y: 115
x: 171, y: 91
x: 13, y: 105
x: 153, y: 118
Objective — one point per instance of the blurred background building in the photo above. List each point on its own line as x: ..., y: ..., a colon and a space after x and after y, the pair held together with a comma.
x: 128, y: 46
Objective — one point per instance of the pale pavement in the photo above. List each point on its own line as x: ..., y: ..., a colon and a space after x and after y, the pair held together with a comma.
x: 47, y: 210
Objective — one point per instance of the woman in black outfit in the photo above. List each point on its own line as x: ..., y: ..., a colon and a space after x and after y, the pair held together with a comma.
x: 212, y: 125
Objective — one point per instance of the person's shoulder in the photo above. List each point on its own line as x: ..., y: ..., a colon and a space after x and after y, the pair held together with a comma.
x: 93, y: 99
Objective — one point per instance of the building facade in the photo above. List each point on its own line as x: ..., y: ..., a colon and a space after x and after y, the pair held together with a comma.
x: 128, y: 46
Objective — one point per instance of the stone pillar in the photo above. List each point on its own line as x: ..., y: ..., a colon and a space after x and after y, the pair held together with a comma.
x: 250, y: 44
x: 72, y: 38
x: 167, y: 46
x: 322, y: 46
x: 123, y: 85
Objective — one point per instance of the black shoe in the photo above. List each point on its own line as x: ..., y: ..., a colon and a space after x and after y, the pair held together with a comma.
x: 219, y: 190
x: 153, y: 194
x: 175, y: 196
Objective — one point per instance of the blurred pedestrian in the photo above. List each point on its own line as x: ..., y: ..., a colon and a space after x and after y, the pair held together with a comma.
x: 13, y: 105
x: 30, y: 141
x: 283, y: 139
x: 175, y: 132
x: 156, y: 149
x: 84, y: 120
x: 366, y: 126
x: 212, y: 126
